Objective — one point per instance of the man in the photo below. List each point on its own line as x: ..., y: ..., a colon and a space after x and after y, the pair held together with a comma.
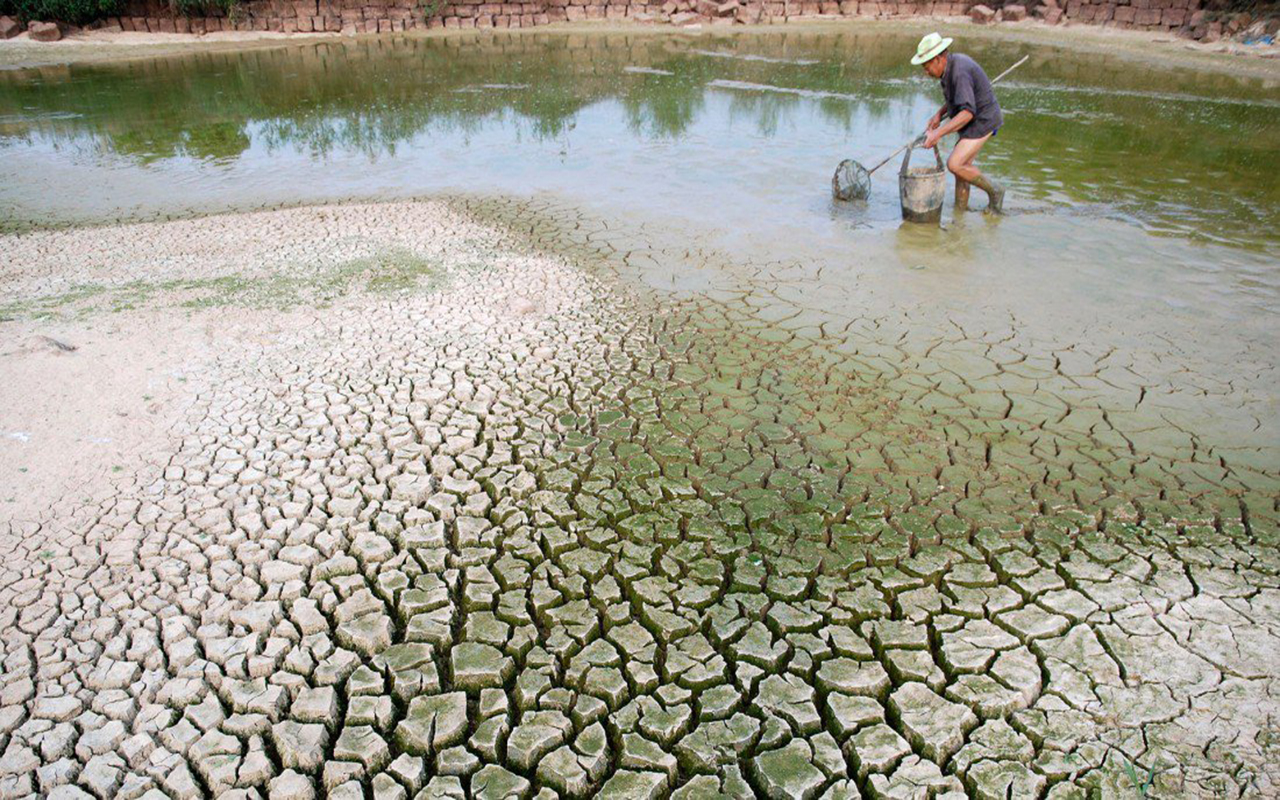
x: 970, y: 103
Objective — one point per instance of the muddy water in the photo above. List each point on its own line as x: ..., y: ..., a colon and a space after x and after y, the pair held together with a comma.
x: 1143, y: 202
x: 705, y: 129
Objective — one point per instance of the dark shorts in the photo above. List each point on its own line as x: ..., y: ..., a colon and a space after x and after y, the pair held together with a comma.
x: 965, y: 134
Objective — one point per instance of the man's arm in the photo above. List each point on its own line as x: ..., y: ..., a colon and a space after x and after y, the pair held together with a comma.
x: 937, y: 118
x: 962, y: 107
x: 957, y: 122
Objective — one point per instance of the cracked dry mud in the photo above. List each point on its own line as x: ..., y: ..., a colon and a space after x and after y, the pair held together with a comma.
x: 523, y: 529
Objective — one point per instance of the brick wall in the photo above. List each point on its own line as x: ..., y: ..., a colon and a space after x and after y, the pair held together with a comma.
x: 1187, y: 17
x: 374, y: 16
x: 1139, y: 14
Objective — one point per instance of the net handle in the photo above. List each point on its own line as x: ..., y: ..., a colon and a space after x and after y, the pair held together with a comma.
x: 894, y: 154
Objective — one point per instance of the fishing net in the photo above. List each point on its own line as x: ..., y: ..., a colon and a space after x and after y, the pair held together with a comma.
x: 851, y: 181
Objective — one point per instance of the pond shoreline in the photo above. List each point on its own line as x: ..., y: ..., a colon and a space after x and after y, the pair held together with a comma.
x: 1143, y: 46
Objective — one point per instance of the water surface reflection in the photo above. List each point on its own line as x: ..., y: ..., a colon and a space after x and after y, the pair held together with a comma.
x: 627, y: 113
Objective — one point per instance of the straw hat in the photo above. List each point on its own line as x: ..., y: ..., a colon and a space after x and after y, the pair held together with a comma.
x: 931, y: 45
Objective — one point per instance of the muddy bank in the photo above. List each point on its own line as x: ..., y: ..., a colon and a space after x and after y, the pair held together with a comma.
x: 1142, y: 47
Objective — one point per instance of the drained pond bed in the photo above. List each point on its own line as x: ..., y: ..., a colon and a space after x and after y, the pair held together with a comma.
x: 520, y: 417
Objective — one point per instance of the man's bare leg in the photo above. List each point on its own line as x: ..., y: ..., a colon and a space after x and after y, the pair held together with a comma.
x: 961, y: 165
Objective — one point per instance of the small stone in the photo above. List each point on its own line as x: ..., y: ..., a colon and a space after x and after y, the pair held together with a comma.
x: 561, y: 771
x: 641, y: 754
x: 110, y: 674
x: 18, y: 760
x: 9, y: 28
x: 369, y: 634
x: 57, y: 709
x: 44, y: 32
x: 981, y: 14
x: 444, y: 787
x: 349, y: 790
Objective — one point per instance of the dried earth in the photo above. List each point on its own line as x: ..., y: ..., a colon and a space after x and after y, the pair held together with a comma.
x: 438, y: 500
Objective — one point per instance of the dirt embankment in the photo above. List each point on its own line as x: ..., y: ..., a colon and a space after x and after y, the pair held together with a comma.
x: 1161, y: 49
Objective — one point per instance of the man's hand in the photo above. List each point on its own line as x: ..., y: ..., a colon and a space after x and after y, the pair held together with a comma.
x: 934, y: 121
x: 931, y: 138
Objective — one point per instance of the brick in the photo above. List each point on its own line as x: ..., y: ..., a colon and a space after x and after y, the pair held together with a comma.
x: 982, y: 14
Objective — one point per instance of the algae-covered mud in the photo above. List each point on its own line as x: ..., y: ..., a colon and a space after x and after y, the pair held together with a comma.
x: 631, y: 466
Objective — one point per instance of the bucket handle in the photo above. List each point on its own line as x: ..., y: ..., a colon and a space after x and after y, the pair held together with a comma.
x: 907, y: 158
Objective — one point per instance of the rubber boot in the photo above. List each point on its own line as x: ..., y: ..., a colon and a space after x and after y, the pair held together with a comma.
x: 994, y: 191
x: 962, y: 195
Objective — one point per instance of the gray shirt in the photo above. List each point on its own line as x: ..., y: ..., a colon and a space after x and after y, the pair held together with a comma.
x: 965, y: 87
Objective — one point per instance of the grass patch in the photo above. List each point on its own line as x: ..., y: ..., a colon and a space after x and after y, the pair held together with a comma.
x: 390, y: 272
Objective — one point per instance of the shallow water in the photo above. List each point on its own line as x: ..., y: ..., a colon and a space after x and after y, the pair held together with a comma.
x: 1142, y: 201
x: 752, y: 124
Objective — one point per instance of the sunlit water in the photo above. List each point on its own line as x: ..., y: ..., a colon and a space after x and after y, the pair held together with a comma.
x: 1142, y: 202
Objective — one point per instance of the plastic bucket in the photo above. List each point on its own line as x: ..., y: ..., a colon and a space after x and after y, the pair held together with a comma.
x: 922, y: 190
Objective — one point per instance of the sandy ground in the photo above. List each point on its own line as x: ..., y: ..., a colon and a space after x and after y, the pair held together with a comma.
x: 76, y: 418
x: 88, y: 397
x: 1260, y: 61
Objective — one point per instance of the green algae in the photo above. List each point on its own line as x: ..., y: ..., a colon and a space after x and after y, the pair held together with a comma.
x: 391, y: 272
